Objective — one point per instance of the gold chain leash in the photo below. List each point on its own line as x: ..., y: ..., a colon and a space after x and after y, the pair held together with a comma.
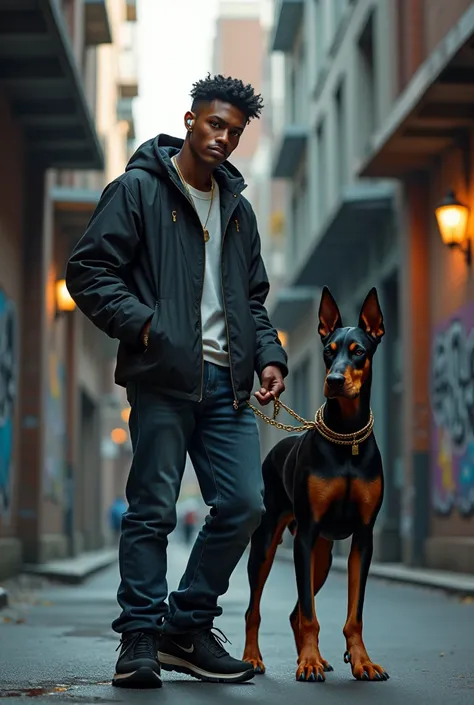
x: 352, y: 439
x: 277, y: 405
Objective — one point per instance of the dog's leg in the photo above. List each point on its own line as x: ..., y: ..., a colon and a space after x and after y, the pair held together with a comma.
x: 310, y: 663
x: 263, y: 547
x: 359, y: 563
x: 322, y: 559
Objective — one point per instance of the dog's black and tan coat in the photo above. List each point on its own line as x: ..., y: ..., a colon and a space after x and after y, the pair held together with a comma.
x: 323, y: 492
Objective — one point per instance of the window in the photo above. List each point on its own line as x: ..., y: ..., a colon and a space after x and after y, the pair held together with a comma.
x: 301, y: 386
x: 338, y: 8
x: 321, y: 171
x: 366, y: 62
x: 301, y: 214
x: 301, y: 89
x: 341, y: 136
x: 293, y: 93
x: 319, y: 34
x: 292, y: 240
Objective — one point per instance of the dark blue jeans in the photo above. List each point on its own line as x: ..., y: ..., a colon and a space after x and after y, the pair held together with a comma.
x: 224, y: 448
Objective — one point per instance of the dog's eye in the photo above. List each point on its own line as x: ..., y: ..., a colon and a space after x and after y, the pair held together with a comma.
x: 359, y: 352
x: 328, y: 350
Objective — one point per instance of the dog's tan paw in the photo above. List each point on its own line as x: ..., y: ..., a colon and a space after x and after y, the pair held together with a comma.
x: 363, y: 669
x: 312, y: 670
x: 257, y: 663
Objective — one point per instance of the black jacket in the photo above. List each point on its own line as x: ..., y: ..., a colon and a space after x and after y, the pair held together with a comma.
x: 142, y: 256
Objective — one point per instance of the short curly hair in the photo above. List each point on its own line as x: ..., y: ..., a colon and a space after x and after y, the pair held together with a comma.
x: 229, y: 90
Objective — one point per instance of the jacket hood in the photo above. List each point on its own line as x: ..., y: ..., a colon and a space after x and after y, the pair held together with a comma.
x: 155, y: 154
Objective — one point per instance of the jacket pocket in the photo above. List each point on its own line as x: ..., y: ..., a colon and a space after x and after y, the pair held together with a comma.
x: 154, y: 335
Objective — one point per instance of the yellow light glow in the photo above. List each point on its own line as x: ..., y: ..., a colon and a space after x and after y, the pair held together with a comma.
x: 125, y: 414
x: 452, y: 218
x: 283, y: 338
x: 119, y: 436
x: 64, y: 301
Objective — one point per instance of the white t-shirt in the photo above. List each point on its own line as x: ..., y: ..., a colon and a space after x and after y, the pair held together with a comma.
x: 214, y: 335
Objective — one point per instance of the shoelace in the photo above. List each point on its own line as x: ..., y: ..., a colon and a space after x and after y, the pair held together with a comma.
x: 143, y: 645
x: 214, y: 639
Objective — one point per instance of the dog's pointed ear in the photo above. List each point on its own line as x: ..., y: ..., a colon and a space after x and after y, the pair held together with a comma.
x: 371, y: 317
x: 329, y: 316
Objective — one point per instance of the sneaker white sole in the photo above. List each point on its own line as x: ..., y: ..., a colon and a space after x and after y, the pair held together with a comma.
x: 173, y: 663
x: 140, y: 678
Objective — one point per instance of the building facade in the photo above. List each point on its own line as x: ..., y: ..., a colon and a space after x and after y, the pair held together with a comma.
x: 340, y: 231
x: 426, y: 144
x: 377, y: 127
x: 59, y: 144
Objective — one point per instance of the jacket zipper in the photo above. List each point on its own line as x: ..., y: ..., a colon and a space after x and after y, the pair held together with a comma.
x: 174, y: 215
x: 235, y: 403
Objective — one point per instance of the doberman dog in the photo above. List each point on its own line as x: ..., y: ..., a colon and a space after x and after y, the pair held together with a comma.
x: 324, y: 490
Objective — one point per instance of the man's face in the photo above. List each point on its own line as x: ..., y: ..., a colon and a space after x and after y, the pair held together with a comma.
x: 216, y: 131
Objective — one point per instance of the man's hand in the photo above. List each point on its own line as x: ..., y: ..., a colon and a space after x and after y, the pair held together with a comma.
x: 272, y: 385
x: 146, y: 332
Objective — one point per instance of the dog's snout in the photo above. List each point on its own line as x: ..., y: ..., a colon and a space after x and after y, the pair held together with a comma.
x: 335, y: 380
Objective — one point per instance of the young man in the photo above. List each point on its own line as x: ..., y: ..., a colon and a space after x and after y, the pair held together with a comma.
x: 170, y: 265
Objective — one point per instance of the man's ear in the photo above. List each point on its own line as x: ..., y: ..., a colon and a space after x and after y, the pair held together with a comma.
x: 371, y: 317
x: 189, y: 119
x: 329, y: 316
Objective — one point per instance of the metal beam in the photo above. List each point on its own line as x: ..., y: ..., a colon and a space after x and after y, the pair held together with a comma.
x: 439, y: 91
x: 288, y: 18
x: 358, y: 216
x: 291, y: 305
x: 289, y: 151
x: 97, y: 25
x: 39, y: 74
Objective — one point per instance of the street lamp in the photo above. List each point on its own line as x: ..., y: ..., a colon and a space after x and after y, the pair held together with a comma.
x: 452, y: 217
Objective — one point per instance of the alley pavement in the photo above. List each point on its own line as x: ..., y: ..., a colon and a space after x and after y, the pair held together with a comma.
x: 56, y: 645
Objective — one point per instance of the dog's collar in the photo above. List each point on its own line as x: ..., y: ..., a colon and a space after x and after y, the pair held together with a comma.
x: 343, y: 439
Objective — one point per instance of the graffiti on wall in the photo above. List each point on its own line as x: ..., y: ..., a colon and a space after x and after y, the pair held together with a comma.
x: 452, y: 405
x: 8, y: 391
x: 55, y: 437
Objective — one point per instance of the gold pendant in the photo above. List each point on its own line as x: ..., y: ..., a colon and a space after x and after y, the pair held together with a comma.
x: 206, y: 235
x: 355, y: 449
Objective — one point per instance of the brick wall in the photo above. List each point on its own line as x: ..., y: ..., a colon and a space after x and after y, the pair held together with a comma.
x: 11, y: 209
x: 439, y: 17
x: 242, y: 47
x: 422, y: 24
x: 451, y: 297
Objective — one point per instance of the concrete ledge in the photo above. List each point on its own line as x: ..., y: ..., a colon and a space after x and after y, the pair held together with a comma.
x: 450, y: 553
x: 461, y: 584
x: 3, y: 598
x: 75, y: 570
x: 10, y: 557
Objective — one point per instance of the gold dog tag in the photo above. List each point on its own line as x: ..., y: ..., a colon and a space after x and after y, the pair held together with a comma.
x: 355, y: 449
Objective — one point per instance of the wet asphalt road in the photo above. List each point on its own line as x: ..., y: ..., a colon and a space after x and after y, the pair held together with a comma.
x: 60, y: 637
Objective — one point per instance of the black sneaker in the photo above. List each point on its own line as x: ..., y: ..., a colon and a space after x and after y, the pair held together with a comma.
x: 137, y: 665
x: 202, y: 655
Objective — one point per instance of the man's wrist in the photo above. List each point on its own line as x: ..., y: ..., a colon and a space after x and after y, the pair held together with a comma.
x: 277, y: 365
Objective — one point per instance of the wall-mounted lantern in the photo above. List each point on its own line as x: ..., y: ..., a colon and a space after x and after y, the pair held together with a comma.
x: 452, y: 217
x: 64, y: 300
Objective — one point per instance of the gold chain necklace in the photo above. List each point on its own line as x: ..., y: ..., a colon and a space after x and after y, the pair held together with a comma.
x: 205, y: 231
x: 344, y: 439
